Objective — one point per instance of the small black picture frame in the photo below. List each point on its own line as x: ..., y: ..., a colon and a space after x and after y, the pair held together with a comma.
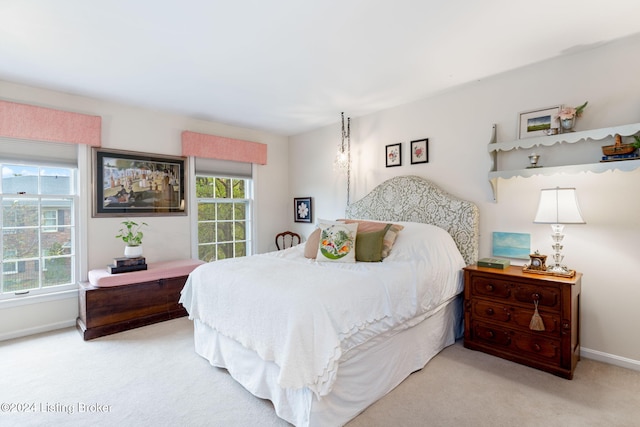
x: 393, y: 155
x: 420, y: 151
x: 302, y: 209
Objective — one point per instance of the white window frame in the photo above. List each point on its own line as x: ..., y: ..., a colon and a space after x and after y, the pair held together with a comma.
x: 248, y: 201
x: 42, y: 291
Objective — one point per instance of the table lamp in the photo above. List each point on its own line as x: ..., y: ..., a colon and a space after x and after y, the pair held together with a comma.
x: 558, y: 206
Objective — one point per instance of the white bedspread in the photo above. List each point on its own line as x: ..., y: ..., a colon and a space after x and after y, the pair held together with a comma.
x: 304, y: 315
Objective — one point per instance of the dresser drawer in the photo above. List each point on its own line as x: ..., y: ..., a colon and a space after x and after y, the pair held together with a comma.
x: 491, y: 334
x: 547, y: 296
x: 513, y: 316
x: 541, y: 348
x: 491, y: 288
x: 518, y: 343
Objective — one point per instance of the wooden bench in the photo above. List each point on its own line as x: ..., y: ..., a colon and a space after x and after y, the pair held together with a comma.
x: 110, y: 303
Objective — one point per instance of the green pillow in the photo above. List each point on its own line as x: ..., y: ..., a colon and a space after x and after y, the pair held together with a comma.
x: 369, y: 245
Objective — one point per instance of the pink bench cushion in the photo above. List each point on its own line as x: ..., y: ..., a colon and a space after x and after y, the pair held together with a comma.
x: 101, y: 278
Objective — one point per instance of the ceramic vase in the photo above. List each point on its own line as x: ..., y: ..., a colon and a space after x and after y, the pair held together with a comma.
x: 133, y: 251
x: 567, y: 124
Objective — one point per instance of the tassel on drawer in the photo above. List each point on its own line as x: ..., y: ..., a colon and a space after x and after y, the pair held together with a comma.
x: 536, y: 324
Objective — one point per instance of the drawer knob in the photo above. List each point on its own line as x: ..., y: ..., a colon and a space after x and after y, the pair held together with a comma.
x: 489, y: 287
x: 537, y: 347
x: 535, y: 297
x: 489, y: 311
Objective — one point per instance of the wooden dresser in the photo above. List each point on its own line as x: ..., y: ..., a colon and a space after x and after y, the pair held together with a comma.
x: 111, y: 303
x: 499, y: 305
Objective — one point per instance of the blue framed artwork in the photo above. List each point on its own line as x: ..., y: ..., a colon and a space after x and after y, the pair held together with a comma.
x: 511, y: 245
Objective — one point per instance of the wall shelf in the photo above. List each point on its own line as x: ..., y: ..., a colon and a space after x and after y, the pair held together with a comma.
x: 495, y: 149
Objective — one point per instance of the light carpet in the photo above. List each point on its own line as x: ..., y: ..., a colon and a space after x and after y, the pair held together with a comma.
x: 151, y: 376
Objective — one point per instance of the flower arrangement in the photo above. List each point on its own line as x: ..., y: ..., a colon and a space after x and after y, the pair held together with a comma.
x: 571, y: 112
x: 130, y: 233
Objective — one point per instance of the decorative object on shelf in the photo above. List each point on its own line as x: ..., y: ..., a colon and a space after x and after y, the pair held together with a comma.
x: 533, y: 160
x: 558, y: 206
x: 302, y: 209
x: 538, y: 122
x: 537, y: 262
x: 132, y: 235
x: 343, y: 156
x: 619, y: 149
x: 568, y: 116
x: 393, y: 155
x: 420, y: 151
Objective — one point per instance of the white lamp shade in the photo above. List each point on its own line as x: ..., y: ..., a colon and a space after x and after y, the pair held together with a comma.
x: 558, y: 206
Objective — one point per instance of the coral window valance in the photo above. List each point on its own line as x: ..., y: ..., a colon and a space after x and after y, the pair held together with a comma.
x: 222, y: 148
x: 35, y: 123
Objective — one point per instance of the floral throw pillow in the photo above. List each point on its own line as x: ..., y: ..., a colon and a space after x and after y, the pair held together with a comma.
x: 337, y: 243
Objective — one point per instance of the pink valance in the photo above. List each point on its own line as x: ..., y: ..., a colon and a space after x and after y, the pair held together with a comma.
x: 24, y: 121
x: 219, y: 147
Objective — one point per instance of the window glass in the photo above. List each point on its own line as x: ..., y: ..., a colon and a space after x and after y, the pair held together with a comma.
x: 38, y: 229
x: 224, y: 217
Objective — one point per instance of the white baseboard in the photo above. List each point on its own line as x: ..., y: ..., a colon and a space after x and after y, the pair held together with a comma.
x: 611, y: 359
x: 37, y: 330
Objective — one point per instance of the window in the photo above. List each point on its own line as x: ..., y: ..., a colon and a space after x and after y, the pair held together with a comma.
x: 38, y: 228
x: 224, y: 217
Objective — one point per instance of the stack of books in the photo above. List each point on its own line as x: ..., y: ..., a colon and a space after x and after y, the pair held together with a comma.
x: 615, y: 157
x: 126, y: 265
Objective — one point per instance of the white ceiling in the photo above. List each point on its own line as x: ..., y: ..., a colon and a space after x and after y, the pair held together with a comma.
x: 289, y: 66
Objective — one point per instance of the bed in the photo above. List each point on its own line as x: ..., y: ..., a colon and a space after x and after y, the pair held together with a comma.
x: 324, y: 340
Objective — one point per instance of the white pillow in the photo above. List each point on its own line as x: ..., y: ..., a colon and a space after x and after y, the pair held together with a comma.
x: 337, y: 242
x: 425, y: 243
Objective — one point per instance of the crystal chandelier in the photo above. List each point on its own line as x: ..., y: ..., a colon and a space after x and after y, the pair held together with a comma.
x: 343, y: 155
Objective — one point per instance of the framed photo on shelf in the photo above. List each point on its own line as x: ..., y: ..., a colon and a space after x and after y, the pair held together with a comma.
x: 393, y: 155
x: 302, y: 209
x: 127, y: 183
x: 420, y: 151
x: 539, y: 122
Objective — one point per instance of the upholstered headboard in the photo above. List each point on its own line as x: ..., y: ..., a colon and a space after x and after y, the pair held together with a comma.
x: 415, y: 199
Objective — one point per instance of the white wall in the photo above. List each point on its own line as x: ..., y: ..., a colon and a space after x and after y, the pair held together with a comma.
x: 458, y: 125
x: 137, y: 129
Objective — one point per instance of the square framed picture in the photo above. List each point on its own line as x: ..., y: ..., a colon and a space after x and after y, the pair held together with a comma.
x: 302, y: 209
x: 393, y: 155
x: 539, y: 122
x: 420, y: 151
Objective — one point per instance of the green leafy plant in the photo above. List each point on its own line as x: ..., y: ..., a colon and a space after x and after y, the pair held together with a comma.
x: 637, y: 143
x: 131, y: 233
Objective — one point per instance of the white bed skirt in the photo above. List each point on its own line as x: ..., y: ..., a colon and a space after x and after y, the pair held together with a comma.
x: 363, y: 377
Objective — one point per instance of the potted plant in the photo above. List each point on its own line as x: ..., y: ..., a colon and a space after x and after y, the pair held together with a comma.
x: 568, y: 116
x: 132, y: 235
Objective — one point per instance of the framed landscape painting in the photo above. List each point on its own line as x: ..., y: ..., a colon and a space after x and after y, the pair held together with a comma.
x: 539, y: 122
x: 127, y: 183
